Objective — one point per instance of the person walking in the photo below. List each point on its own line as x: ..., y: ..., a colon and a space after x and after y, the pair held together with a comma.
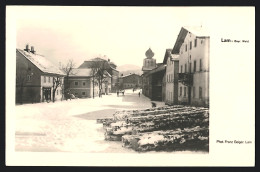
x: 139, y: 93
x: 117, y: 92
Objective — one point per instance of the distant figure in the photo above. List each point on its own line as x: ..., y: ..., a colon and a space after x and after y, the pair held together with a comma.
x: 133, y: 90
x: 117, y: 93
x: 139, y: 93
x: 153, y: 104
x: 123, y: 92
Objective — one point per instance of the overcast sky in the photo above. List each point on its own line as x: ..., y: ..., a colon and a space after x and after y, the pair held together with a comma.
x: 123, y: 34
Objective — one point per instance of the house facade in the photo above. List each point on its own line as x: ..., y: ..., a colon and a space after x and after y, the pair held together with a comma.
x: 81, y: 83
x: 171, y: 77
x: 37, y: 78
x: 109, y: 66
x: 153, y: 80
x: 130, y: 81
x: 192, y: 45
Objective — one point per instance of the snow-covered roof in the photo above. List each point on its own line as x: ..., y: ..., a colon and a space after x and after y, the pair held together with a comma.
x: 129, y: 75
x: 41, y: 62
x: 159, y: 68
x: 167, y: 54
x: 81, y: 72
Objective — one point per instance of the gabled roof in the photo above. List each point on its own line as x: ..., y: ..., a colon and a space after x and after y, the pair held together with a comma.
x: 89, y: 63
x: 129, y: 75
x: 41, y: 63
x: 167, y: 54
x: 81, y: 73
x: 160, y: 67
x: 197, y: 31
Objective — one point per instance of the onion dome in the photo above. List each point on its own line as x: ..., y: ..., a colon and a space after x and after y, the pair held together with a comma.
x: 149, y: 53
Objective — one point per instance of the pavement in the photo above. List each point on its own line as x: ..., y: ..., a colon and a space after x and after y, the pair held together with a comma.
x: 70, y: 126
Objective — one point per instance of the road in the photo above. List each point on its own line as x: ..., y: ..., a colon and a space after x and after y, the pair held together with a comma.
x: 70, y: 126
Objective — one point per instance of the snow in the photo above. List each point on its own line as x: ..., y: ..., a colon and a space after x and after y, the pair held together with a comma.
x: 70, y: 126
x: 41, y: 62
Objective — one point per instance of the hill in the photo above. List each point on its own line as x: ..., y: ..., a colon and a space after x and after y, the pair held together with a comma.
x: 129, y: 68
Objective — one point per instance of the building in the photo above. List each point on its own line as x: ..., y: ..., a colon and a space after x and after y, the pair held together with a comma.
x: 37, y: 79
x: 109, y: 66
x: 149, y: 62
x: 81, y: 83
x: 153, y: 83
x: 192, y: 45
x: 171, y: 77
x: 130, y: 81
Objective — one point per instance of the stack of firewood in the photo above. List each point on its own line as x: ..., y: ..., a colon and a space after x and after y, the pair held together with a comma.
x: 164, y: 128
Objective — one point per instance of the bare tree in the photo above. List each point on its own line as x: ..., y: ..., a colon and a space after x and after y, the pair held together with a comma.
x: 99, y: 71
x: 68, y: 69
x: 94, y: 70
x: 57, y: 82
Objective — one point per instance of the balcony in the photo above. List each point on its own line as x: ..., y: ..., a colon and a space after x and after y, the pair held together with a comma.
x: 186, y: 78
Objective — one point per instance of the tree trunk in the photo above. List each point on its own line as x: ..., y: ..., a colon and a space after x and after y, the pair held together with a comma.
x: 53, y: 95
x: 93, y: 87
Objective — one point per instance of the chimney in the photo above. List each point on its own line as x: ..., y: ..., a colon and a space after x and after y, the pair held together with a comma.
x: 108, y: 60
x: 32, y: 50
x: 121, y: 74
x: 27, y: 48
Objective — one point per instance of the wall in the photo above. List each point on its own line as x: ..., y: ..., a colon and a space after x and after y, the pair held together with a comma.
x: 78, y: 90
x: 131, y: 81
x: 200, y: 75
x: 27, y: 90
x: 169, y: 82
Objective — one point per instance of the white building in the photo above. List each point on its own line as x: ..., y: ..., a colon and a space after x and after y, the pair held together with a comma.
x: 192, y: 45
x: 171, y: 77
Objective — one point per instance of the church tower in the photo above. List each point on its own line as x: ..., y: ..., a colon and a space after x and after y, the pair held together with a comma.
x: 149, y: 62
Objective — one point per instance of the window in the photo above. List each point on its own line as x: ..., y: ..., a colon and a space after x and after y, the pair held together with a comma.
x: 76, y: 83
x: 29, y: 77
x: 76, y: 94
x: 200, y: 92
x: 49, y: 79
x: 83, y: 83
x: 194, y: 68
x: 190, y: 45
x: 194, y: 92
x: 181, y: 68
x: 195, y: 42
x: 83, y: 93
x: 44, y: 79
x: 190, y: 68
x: 200, y: 64
x: 186, y: 47
x: 180, y: 91
x: 185, y: 69
x: 184, y: 92
x: 201, y: 41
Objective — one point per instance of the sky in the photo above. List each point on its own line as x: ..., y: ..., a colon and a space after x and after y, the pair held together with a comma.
x: 122, y: 34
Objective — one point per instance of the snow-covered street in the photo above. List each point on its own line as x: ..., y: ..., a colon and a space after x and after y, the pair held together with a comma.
x: 70, y: 126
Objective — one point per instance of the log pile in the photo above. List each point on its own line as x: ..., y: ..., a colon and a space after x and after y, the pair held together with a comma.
x: 163, y: 128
